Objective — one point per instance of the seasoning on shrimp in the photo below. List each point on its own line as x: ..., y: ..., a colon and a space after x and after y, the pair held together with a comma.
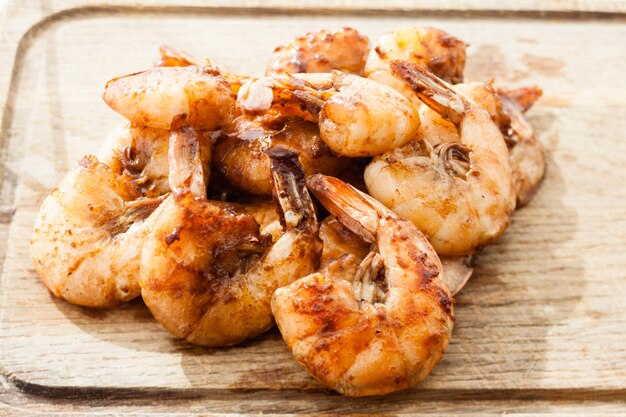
x: 432, y: 48
x: 154, y: 97
x: 372, y: 328
x: 460, y: 194
x: 88, y: 234
x: 241, y: 151
x: 205, y: 263
x: 322, y: 51
x: 356, y: 116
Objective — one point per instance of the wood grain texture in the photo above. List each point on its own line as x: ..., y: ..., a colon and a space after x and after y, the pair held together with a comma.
x: 541, y: 328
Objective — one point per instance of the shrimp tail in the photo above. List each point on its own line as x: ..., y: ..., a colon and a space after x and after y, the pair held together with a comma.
x: 524, y: 97
x: 354, y: 209
x: 295, y: 207
x: 185, y: 159
x: 434, y: 92
x: 517, y: 124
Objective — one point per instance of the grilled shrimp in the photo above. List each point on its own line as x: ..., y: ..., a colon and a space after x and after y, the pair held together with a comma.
x: 154, y: 97
x: 460, y: 194
x: 338, y: 241
x: 377, y: 328
x: 356, y: 116
x: 505, y: 107
x: 206, y: 273
x: 437, y: 51
x: 241, y: 152
x: 322, y: 51
x: 89, y: 231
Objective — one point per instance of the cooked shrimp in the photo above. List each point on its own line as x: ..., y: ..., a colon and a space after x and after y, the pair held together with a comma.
x: 265, y: 214
x: 505, y: 107
x: 339, y: 241
x: 322, y: 51
x: 154, y: 97
x: 171, y: 57
x: 89, y: 231
x: 142, y: 154
x: 460, y: 194
x: 437, y: 51
x: 207, y: 274
x: 376, y: 329
x: 527, y: 159
x: 241, y: 152
x: 356, y: 116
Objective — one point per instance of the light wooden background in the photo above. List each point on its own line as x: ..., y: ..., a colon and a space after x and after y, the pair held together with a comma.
x: 541, y: 327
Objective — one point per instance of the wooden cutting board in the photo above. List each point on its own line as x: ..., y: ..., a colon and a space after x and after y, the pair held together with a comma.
x: 541, y: 328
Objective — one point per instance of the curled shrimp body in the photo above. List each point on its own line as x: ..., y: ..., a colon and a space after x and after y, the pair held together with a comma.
x: 460, y: 194
x: 154, y: 97
x: 322, y: 51
x: 356, y: 116
x: 377, y: 328
x: 207, y: 274
x: 88, y: 234
x: 339, y: 241
x: 506, y: 108
x: 437, y: 51
x: 241, y: 151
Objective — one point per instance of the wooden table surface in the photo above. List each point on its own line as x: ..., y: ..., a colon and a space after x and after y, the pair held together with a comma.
x: 541, y: 327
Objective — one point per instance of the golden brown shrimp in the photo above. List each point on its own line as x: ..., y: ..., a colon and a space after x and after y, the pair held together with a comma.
x: 154, y: 97
x: 207, y: 274
x: 505, y: 107
x: 356, y: 116
x: 437, y: 51
x: 460, y: 194
x: 171, y: 57
x: 241, y: 152
x: 88, y: 235
x: 142, y: 154
x: 376, y: 329
x: 338, y: 241
x: 322, y: 51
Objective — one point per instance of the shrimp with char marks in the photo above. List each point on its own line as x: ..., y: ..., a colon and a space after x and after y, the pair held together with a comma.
x: 338, y: 241
x: 356, y: 116
x: 88, y: 234
x: 206, y: 273
x: 460, y: 194
x: 372, y: 328
x: 322, y: 51
x: 432, y: 48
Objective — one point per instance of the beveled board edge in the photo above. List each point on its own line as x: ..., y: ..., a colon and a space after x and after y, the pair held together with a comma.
x: 22, y: 21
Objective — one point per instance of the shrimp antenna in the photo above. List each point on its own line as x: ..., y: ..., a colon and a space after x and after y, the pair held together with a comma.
x: 295, y: 206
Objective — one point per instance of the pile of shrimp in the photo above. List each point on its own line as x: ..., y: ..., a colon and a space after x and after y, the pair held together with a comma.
x: 341, y: 196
